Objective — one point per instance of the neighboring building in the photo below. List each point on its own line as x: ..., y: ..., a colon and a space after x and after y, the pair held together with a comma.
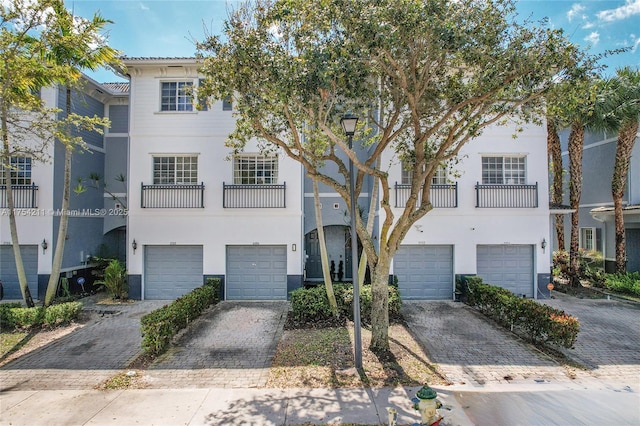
x: 597, y: 228
x: 37, y: 191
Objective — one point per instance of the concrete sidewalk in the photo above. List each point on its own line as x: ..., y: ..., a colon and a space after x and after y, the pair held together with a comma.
x: 496, y: 405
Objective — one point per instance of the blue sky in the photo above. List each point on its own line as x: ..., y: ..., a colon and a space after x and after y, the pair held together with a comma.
x: 166, y: 28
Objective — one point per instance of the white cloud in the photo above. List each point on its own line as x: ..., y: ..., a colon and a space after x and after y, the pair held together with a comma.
x: 588, y: 25
x: 630, y: 8
x: 575, y: 11
x: 593, y: 38
x: 143, y: 7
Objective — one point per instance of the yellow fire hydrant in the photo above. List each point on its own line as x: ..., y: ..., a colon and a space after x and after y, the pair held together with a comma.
x: 427, y: 404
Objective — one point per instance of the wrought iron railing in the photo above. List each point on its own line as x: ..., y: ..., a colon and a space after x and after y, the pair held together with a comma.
x: 24, y: 196
x: 254, y: 196
x: 441, y: 196
x: 507, y: 196
x: 162, y: 196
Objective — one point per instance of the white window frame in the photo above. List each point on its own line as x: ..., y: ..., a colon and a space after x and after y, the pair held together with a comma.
x: 19, y: 172
x: 175, y: 169
x: 255, y: 169
x: 504, y: 169
x: 441, y: 176
x: 177, y: 99
x: 588, y: 240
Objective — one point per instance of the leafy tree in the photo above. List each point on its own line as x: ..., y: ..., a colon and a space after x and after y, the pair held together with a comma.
x: 428, y: 76
x: 75, y: 44
x: 27, y: 123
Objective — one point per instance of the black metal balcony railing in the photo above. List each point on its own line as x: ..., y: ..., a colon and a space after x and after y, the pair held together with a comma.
x: 172, y: 196
x: 254, y: 196
x: 24, y: 196
x: 507, y: 196
x: 442, y: 195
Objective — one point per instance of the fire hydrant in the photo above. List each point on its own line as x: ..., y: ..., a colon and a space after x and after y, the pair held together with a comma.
x: 427, y: 404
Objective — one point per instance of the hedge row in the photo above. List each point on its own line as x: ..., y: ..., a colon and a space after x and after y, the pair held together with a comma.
x: 13, y: 316
x: 160, y: 326
x: 312, y: 305
x: 541, y: 323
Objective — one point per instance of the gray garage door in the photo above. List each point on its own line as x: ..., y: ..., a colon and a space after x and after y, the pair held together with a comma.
x: 9, y: 275
x: 424, y: 272
x: 508, y: 266
x: 256, y: 273
x: 171, y: 271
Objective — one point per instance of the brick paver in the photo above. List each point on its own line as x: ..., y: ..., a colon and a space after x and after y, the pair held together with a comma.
x: 233, y: 344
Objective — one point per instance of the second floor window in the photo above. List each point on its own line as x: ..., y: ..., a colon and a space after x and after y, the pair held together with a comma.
x: 19, y: 171
x: 439, y: 178
x: 503, y: 170
x: 255, y: 170
x: 175, y: 170
x: 176, y: 96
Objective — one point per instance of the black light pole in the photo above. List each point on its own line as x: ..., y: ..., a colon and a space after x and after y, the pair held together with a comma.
x: 349, y: 123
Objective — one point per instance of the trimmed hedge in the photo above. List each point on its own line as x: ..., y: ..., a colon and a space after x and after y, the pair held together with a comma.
x: 13, y: 316
x: 540, y: 322
x: 160, y: 326
x: 310, y: 305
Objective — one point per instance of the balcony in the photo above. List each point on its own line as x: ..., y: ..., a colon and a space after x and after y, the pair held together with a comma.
x: 507, y: 196
x: 162, y: 196
x: 254, y: 196
x: 442, y: 196
x: 24, y: 196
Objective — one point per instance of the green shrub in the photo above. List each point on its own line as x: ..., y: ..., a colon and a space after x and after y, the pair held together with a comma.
x: 12, y: 317
x: 115, y: 279
x: 541, y: 323
x: 626, y: 283
x: 311, y: 305
x: 160, y: 326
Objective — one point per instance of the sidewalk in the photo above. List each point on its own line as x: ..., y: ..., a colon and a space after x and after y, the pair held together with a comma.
x: 544, y: 404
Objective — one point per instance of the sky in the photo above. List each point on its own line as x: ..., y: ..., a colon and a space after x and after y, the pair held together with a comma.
x: 166, y: 28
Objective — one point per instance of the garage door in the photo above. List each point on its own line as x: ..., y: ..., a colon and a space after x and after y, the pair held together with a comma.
x: 171, y: 271
x: 424, y: 272
x: 508, y: 266
x: 9, y: 274
x: 256, y: 273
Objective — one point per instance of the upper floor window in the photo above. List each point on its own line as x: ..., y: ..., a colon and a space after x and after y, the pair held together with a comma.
x: 175, y: 170
x: 439, y: 178
x: 503, y: 170
x: 255, y: 170
x: 176, y: 96
x: 19, y: 171
x: 227, y: 104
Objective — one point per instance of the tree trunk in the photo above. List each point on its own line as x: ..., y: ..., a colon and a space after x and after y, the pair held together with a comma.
x: 362, y: 267
x: 555, y: 153
x: 380, y: 303
x: 626, y: 140
x: 52, y: 286
x: 323, y: 251
x: 15, y: 242
x: 576, y: 142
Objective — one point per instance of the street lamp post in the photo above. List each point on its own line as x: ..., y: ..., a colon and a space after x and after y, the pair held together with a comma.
x: 349, y: 123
